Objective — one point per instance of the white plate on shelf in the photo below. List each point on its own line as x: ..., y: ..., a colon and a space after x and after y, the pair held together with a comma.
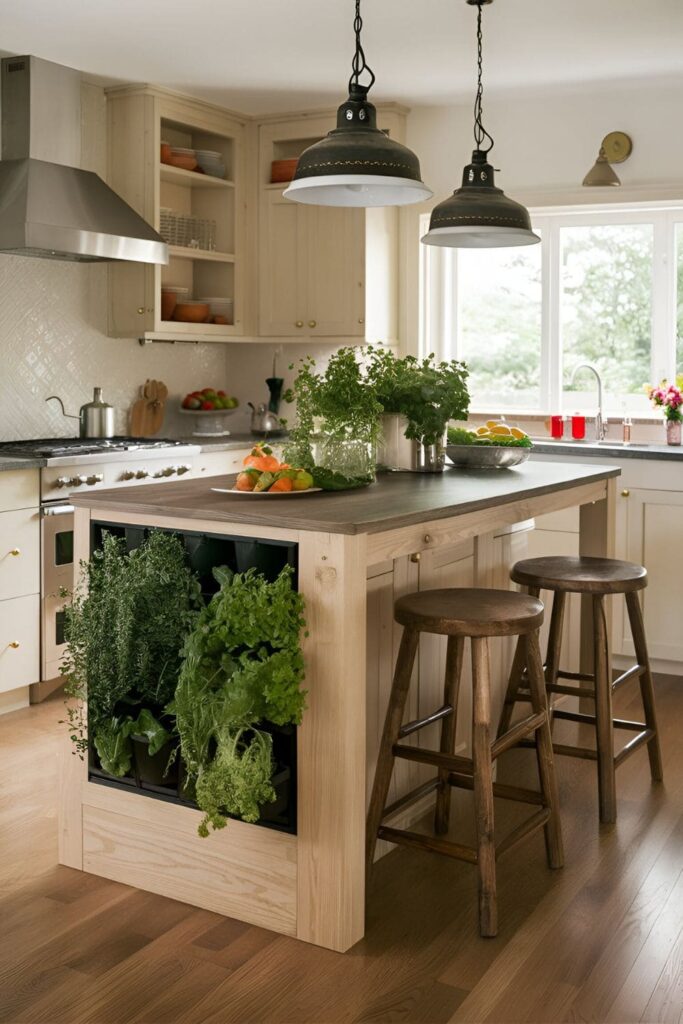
x: 266, y: 494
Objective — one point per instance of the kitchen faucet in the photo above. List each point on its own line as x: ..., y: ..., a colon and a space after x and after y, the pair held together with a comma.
x: 600, y: 421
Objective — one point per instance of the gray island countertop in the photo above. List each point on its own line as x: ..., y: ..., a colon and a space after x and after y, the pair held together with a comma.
x: 607, y: 449
x: 395, y: 500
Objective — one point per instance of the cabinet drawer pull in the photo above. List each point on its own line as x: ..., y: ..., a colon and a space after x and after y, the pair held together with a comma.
x: 14, y: 644
x: 15, y: 552
x: 299, y: 323
x: 312, y: 323
x: 625, y: 493
x: 415, y: 557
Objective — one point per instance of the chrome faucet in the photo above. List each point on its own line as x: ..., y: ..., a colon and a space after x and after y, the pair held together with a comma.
x: 600, y: 421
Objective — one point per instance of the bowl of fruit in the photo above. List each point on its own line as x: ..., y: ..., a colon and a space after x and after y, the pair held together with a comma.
x: 496, y: 445
x: 265, y: 476
x: 209, y: 406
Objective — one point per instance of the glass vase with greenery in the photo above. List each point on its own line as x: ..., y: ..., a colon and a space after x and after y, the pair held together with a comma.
x: 336, y: 408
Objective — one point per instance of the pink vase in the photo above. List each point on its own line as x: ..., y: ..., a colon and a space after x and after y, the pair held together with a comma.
x: 673, y: 431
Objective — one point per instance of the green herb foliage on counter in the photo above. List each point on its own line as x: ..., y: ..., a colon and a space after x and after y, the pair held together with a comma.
x: 242, y: 664
x: 331, y: 481
x: 459, y: 435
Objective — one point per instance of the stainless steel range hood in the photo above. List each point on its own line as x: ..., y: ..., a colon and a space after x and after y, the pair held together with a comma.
x: 49, y: 207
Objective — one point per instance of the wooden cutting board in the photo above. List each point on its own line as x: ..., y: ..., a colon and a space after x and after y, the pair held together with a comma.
x: 147, y: 412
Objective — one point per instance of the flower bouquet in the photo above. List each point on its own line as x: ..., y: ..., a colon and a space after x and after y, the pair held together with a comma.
x: 668, y: 398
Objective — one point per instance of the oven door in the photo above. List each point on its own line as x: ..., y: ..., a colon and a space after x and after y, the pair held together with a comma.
x: 57, y: 547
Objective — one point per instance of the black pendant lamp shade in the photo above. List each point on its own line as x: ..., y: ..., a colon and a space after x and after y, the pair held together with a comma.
x: 357, y: 164
x: 478, y: 215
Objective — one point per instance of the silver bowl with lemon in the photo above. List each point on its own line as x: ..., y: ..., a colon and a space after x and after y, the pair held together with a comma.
x: 496, y: 445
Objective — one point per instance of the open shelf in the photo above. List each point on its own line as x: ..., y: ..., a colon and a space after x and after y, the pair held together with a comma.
x: 179, y: 176
x: 186, y: 253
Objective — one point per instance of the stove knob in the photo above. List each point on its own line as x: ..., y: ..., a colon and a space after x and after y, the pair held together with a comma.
x: 128, y: 474
x: 141, y: 474
x: 76, y: 481
x: 94, y: 478
x: 167, y: 471
x: 62, y: 481
x: 184, y: 468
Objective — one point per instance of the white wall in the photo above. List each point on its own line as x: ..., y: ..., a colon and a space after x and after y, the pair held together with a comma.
x: 549, y: 140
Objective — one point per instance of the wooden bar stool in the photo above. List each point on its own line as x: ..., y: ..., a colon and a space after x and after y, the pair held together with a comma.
x: 599, y: 577
x: 458, y: 614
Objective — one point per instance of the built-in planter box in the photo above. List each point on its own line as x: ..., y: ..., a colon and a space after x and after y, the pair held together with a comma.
x: 150, y: 775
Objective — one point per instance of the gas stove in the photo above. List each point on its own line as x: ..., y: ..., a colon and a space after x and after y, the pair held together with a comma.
x: 71, y: 448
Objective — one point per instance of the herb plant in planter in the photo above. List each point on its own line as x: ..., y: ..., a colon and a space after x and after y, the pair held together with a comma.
x: 426, y: 392
x: 125, y: 629
x: 242, y: 666
x: 338, y: 409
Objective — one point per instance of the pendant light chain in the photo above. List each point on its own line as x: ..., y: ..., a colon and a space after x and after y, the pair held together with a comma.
x: 359, y: 63
x: 480, y: 132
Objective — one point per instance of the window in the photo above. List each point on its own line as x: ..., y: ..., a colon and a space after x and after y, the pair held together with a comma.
x: 599, y: 289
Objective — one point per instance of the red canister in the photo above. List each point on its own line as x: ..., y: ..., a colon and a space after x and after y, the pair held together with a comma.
x: 578, y: 427
x: 557, y: 427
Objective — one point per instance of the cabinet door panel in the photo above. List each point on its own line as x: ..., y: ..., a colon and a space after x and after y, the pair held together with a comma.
x: 335, y: 248
x: 20, y: 626
x: 282, y: 284
x: 655, y: 539
x: 19, y: 553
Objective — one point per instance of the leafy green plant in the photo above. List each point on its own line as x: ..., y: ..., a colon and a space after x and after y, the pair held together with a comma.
x: 242, y: 664
x: 125, y: 629
x: 111, y: 739
x: 428, y: 393
x: 340, y: 397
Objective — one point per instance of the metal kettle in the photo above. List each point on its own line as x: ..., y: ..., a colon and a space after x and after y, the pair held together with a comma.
x: 264, y: 420
x: 95, y: 419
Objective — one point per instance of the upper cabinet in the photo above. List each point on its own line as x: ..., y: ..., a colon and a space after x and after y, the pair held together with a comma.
x: 316, y: 265
x: 205, y: 213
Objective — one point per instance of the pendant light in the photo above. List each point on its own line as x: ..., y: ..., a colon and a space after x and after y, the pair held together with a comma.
x: 478, y: 215
x: 357, y: 164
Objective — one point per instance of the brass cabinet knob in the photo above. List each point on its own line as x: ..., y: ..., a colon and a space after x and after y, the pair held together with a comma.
x: 312, y: 323
x: 299, y: 323
x: 625, y: 493
x: 416, y: 557
x: 14, y: 644
x: 427, y: 538
x: 361, y: 319
x: 15, y: 552
x: 141, y: 310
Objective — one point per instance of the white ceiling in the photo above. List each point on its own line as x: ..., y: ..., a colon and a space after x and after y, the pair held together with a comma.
x: 268, y: 55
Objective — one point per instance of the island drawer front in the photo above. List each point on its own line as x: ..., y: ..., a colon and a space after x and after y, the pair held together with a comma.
x: 19, y: 647
x: 19, y: 553
x: 19, y: 489
x: 220, y: 463
x: 244, y: 871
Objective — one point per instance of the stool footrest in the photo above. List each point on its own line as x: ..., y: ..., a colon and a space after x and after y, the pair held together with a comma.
x: 420, y: 723
x: 632, y: 745
x: 630, y: 673
x: 411, y: 797
x: 512, y: 737
x: 431, y: 843
x: 578, y: 677
x: 527, y: 828
x: 578, y: 716
x: 452, y: 762
x: 500, y: 789
x: 571, y: 691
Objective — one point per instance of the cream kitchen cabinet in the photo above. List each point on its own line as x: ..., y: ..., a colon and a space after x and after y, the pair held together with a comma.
x: 19, y: 642
x: 311, y: 279
x: 323, y: 272
x: 19, y: 585
x: 19, y: 553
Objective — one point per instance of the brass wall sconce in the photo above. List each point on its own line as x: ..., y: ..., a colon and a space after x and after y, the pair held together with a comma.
x: 615, y: 148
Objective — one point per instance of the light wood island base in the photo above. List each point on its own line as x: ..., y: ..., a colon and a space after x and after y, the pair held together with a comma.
x: 356, y: 551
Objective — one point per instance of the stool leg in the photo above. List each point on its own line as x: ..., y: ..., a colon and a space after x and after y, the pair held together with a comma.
x: 451, y: 691
x: 544, y: 753
x: 647, y: 692
x: 483, y: 787
x: 390, y: 735
x: 552, y: 662
x: 516, y: 677
x: 603, y: 715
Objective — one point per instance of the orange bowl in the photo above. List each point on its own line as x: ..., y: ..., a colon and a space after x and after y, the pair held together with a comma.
x: 192, y: 312
x: 283, y: 170
x: 169, y: 299
x: 165, y: 153
x: 188, y: 163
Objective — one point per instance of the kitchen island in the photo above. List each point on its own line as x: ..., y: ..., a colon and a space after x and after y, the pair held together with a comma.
x: 311, y: 884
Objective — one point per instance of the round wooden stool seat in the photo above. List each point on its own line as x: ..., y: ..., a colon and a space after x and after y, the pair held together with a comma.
x: 583, y: 575
x: 470, y: 612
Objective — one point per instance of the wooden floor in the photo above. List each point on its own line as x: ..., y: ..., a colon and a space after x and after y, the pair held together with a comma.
x: 601, y: 940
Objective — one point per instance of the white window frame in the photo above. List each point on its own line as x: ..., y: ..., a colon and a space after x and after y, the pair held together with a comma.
x: 439, y: 297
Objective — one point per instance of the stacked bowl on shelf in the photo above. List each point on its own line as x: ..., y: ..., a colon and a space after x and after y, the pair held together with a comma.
x: 177, y: 305
x: 205, y: 161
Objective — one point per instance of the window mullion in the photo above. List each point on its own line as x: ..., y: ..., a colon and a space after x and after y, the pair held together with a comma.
x: 552, y: 341
x: 663, y: 363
